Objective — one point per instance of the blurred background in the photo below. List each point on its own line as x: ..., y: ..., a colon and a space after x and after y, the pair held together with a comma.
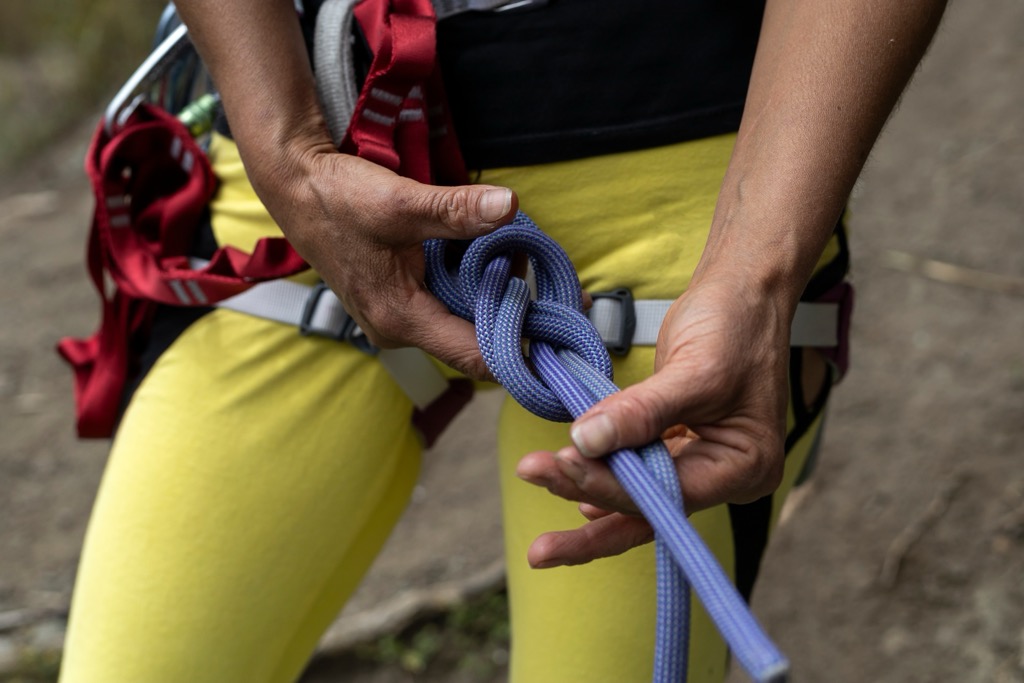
x: 59, y: 60
x: 904, y: 560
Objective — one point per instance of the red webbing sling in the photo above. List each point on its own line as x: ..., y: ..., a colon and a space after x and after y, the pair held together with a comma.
x: 152, y: 184
x: 401, y: 120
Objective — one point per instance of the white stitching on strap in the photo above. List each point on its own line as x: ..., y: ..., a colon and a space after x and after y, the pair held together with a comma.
x: 411, y: 115
x: 385, y: 96
x: 197, y: 292
x: 176, y: 146
x: 179, y: 292
x: 377, y: 117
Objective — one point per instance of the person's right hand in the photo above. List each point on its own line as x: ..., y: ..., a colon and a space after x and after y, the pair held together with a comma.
x: 359, y: 225
x: 362, y: 227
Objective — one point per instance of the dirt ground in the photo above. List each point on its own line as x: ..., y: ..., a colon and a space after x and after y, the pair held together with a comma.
x: 904, y: 561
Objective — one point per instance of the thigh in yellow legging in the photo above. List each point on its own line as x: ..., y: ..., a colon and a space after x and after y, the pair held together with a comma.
x: 640, y: 221
x: 254, y: 477
x: 246, y: 494
x: 596, y: 622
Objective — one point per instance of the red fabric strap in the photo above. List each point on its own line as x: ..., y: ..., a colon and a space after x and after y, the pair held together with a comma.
x: 153, y: 183
x: 401, y: 119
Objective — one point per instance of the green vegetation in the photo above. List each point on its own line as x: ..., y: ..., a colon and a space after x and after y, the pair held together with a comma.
x: 34, y: 666
x: 60, y: 60
x: 467, y: 643
x: 472, y: 638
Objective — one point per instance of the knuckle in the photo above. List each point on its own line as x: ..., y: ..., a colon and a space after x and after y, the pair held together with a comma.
x: 405, y: 203
x: 385, y: 326
x: 770, y: 477
x: 453, y: 207
x: 764, y: 468
x: 641, y: 416
x: 386, y: 332
x: 470, y: 364
x: 380, y: 340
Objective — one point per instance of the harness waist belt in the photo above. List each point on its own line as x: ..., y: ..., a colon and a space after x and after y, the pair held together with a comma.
x: 815, y: 324
x: 317, y: 311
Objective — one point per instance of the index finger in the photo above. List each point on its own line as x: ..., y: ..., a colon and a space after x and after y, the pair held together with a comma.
x: 445, y: 336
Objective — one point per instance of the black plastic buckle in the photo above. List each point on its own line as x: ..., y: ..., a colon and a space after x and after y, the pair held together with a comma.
x: 348, y: 332
x: 624, y: 342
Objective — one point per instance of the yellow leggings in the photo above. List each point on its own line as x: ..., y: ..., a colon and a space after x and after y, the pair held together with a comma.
x: 257, y: 473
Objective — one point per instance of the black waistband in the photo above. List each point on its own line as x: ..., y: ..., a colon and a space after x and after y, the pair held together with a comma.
x: 578, y: 78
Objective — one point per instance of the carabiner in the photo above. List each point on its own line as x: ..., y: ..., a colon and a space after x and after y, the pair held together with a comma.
x: 152, y: 69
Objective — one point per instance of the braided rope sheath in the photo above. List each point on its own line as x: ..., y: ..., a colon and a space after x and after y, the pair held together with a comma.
x: 573, y: 371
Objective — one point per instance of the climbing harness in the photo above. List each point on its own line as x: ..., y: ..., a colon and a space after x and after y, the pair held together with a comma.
x: 152, y: 182
x: 137, y: 137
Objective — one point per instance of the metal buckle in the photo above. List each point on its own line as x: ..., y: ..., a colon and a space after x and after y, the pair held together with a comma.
x: 839, y: 355
x: 348, y: 332
x: 624, y: 342
x: 306, y: 328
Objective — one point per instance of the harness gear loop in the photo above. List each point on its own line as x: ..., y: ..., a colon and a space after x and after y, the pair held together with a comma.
x: 152, y: 184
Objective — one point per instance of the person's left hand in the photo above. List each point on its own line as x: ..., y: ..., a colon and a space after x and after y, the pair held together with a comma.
x: 718, y: 398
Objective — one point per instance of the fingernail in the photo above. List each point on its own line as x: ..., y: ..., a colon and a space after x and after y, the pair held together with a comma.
x: 549, y: 563
x: 594, y: 436
x: 494, y: 204
x: 531, y: 478
x: 570, y: 467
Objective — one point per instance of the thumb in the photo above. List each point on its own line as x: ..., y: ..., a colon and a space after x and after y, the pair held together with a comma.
x: 465, y: 211
x: 632, y: 417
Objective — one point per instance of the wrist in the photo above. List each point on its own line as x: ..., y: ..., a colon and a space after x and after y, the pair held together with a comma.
x: 257, y: 56
x: 279, y: 148
x: 766, y: 237
x: 765, y: 272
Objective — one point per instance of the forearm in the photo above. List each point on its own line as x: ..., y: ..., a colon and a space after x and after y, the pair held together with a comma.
x: 825, y: 79
x: 257, y: 57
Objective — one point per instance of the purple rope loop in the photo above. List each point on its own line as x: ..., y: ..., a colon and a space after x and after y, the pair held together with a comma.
x: 485, y: 292
x: 572, y: 372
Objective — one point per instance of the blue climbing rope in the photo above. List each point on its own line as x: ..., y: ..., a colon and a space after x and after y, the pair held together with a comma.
x: 572, y: 372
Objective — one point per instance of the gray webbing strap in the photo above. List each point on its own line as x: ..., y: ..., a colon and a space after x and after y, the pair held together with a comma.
x: 317, y: 311
x: 815, y: 324
x: 335, y: 65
